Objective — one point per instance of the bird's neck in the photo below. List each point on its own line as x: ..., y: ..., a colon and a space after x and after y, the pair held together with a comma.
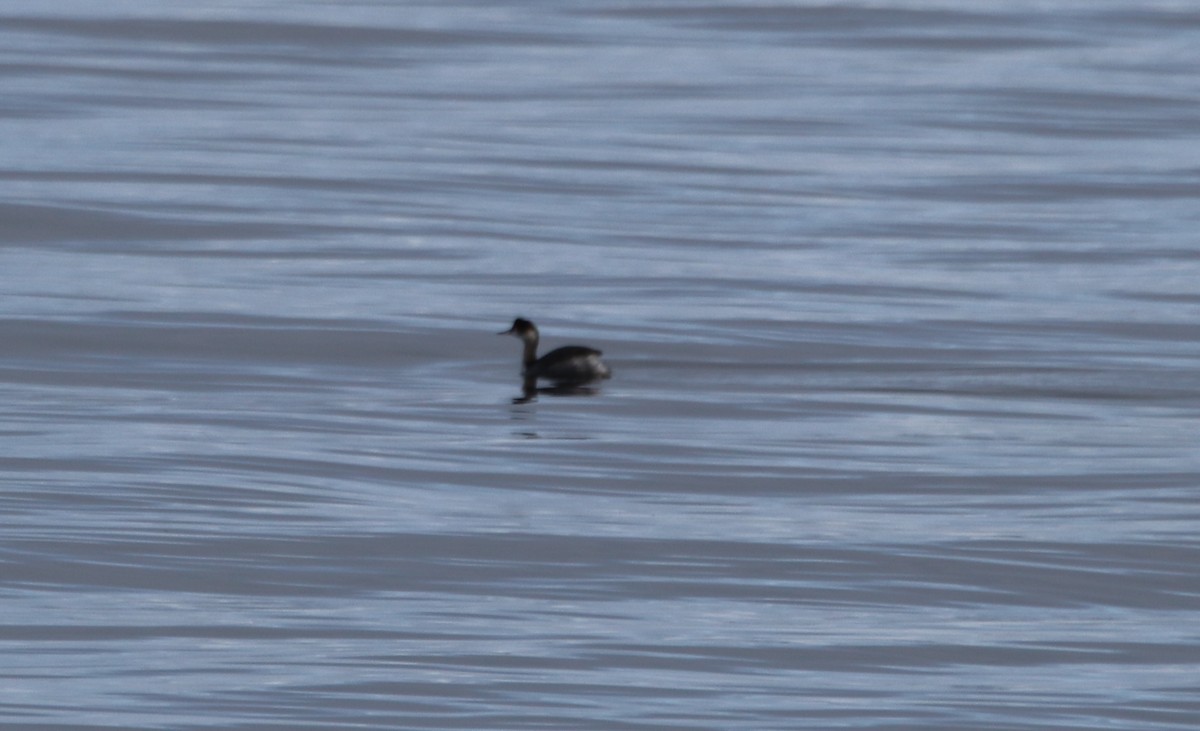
x: 530, y: 356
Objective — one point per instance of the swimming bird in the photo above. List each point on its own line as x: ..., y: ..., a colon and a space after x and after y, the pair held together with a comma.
x: 566, y: 366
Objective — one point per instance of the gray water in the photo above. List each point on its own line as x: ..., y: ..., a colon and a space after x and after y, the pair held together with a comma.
x: 901, y: 300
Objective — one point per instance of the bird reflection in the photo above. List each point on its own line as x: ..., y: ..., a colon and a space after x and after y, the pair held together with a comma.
x: 530, y: 391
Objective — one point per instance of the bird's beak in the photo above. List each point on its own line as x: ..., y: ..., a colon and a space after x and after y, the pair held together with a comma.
x: 505, y: 332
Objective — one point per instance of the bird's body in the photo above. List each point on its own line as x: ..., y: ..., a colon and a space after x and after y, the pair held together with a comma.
x: 569, y: 364
x: 565, y: 366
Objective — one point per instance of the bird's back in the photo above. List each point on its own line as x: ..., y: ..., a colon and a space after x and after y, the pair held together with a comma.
x: 571, y: 363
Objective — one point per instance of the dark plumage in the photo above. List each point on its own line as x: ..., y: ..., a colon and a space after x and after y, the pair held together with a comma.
x: 572, y: 364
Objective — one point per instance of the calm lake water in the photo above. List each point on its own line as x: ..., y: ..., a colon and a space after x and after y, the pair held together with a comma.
x: 901, y: 299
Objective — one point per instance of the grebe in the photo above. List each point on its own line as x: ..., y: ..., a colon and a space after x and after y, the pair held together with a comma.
x: 569, y: 365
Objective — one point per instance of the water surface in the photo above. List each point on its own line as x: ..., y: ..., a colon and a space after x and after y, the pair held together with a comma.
x: 901, y: 303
